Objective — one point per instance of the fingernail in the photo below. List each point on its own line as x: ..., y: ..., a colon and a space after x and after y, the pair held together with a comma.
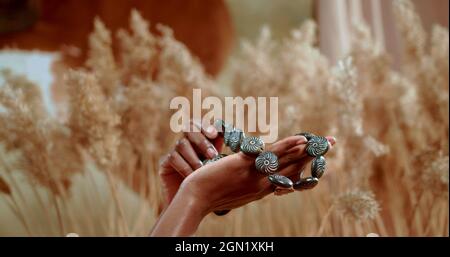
x: 302, y: 140
x: 210, y: 129
x: 332, y: 140
x: 211, y: 152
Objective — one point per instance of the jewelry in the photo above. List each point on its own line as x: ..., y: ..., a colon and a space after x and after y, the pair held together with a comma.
x: 266, y: 163
x: 228, y: 130
x: 216, y: 158
x: 280, y: 181
x: 252, y: 145
x: 317, y: 145
x: 318, y: 166
x: 220, y: 126
x: 283, y: 185
x: 235, y: 139
x: 232, y: 136
x: 306, y: 183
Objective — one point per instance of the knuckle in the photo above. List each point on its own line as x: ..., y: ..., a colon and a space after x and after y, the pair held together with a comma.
x: 185, y: 170
x: 206, y: 143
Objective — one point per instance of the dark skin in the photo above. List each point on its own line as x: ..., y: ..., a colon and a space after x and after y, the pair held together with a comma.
x: 228, y: 183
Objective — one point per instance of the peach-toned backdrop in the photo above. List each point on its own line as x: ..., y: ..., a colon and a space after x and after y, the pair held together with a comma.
x: 336, y: 16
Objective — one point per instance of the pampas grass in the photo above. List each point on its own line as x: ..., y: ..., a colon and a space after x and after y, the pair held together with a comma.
x: 93, y: 169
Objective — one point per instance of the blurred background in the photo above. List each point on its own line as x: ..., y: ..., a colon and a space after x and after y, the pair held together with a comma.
x: 389, y: 94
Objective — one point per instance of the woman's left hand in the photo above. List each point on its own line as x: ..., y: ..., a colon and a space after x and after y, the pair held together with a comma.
x: 233, y: 181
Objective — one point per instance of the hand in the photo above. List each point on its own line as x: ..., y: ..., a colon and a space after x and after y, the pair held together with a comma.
x: 226, y: 184
x: 184, y: 158
x: 233, y: 180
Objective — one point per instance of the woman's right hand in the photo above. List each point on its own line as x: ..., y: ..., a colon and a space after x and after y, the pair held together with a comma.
x: 185, y: 157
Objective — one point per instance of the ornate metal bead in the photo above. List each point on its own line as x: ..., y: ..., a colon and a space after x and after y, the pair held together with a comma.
x: 306, y: 134
x: 228, y: 130
x: 306, y: 183
x: 317, y: 146
x: 318, y: 166
x: 252, y: 145
x: 266, y: 163
x: 218, y: 157
x: 220, y: 126
x: 280, y: 181
x: 235, y: 139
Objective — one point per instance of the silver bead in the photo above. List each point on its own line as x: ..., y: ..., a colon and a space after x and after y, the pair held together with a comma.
x: 266, y: 163
x: 218, y: 157
x: 228, y: 130
x: 306, y: 183
x: 280, y: 181
x: 252, y: 145
x: 318, y: 166
x: 234, y: 141
x: 220, y: 126
x: 317, y: 146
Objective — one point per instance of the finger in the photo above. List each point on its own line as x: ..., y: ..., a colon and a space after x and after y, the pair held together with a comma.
x: 292, y: 171
x: 298, y: 153
x: 207, y: 129
x: 164, y: 163
x: 196, y: 136
x: 218, y: 143
x: 331, y: 140
x: 210, y: 131
x: 280, y: 147
x: 179, y: 164
x: 293, y: 155
x: 205, y: 147
x: 185, y: 149
x: 301, y: 165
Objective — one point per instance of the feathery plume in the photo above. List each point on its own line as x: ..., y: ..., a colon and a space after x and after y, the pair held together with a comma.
x: 357, y: 205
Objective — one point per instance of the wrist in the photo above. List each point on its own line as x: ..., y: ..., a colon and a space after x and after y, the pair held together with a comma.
x: 194, y: 198
x: 183, y: 215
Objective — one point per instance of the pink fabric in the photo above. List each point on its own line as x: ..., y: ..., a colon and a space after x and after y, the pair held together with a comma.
x: 336, y: 16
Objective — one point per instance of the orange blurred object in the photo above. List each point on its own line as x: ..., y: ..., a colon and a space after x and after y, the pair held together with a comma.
x: 204, y: 26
